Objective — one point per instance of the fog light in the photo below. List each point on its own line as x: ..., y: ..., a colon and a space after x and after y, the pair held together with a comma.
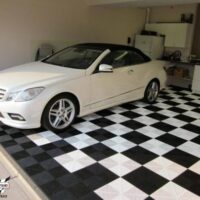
x: 16, y: 117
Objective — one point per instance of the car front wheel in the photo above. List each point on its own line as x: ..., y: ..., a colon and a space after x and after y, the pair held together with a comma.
x: 59, y: 113
x: 152, y: 91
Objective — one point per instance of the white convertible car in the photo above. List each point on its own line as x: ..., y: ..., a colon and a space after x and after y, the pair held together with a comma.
x: 76, y: 81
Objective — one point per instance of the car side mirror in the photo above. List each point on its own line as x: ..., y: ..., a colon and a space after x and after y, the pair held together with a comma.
x: 105, y: 68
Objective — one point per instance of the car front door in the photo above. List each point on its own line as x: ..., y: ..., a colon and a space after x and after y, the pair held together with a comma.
x: 108, y: 88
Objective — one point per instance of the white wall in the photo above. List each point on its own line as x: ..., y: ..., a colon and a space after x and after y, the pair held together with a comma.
x: 25, y: 24
x: 173, y: 14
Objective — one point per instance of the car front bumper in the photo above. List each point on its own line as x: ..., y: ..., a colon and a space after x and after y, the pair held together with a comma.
x: 30, y: 113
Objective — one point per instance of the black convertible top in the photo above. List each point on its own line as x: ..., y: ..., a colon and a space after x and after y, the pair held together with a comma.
x: 107, y: 46
x: 113, y: 47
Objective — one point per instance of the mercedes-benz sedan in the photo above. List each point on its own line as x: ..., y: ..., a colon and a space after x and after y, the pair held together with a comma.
x: 77, y: 81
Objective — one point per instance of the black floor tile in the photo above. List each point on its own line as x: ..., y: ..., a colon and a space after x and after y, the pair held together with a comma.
x: 101, y: 134
x: 58, y: 171
x: 102, y: 122
x: 98, y: 151
x: 140, y: 155
x: 181, y: 157
x: 153, y: 108
x: 158, y: 116
x: 164, y: 126
x: 171, y: 140
x: 190, y: 181
x: 185, y: 118
x: 192, y: 104
x: 130, y: 114
x: 191, y: 127
x: 136, y: 137
x: 105, y: 113
x: 39, y: 162
x: 42, y: 157
x: 196, y: 139
x: 145, y: 180
x: 171, y: 103
x: 21, y: 154
x: 177, y: 110
x: 34, y: 169
x: 133, y: 124
x: 52, y: 188
x: 95, y: 176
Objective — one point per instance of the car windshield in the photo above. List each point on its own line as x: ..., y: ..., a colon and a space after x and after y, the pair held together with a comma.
x: 77, y: 57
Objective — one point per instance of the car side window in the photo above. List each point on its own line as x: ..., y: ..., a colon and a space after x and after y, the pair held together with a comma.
x: 136, y: 58
x: 119, y: 58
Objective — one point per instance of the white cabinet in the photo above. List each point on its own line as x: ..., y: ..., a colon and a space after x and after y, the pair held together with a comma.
x: 152, y: 46
x: 196, y: 80
x: 176, y: 34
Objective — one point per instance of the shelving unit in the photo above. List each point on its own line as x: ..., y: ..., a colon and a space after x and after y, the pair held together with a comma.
x: 196, y: 80
x: 179, y: 79
x: 183, y: 30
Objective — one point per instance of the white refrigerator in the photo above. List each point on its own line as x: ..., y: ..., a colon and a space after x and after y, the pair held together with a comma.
x: 152, y: 46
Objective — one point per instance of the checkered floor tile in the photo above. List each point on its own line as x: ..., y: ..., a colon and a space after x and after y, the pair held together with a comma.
x: 131, y: 151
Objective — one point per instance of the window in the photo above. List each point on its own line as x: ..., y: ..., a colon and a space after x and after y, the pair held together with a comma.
x: 75, y: 57
x: 136, y: 58
x: 117, y: 59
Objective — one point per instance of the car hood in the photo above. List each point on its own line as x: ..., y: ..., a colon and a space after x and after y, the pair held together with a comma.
x: 36, y: 73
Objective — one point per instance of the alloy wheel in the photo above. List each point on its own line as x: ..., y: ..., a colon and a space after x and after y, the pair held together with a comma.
x: 61, y: 113
x: 152, y: 92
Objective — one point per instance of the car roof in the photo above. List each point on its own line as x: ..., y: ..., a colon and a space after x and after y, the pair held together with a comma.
x: 113, y: 47
x: 107, y: 46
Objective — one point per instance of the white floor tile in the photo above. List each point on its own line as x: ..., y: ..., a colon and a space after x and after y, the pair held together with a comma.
x: 85, y: 127
x: 117, y: 118
x: 165, y: 168
x: 120, y: 189
x: 118, y: 109
x: 120, y: 164
x: 175, y: 122
x: 74, y: 161
x: 118, y: 129
x: 119, y: 144
x: 142, y: 111
x: 172, y: 191
x: 150, y: 131
x: 157, y: 147
x: 44, y: 138
x: 81, y: 141
x: 196, y: 167
x: 146, y: 120
x: 184, y: 134
x: 191, y: 148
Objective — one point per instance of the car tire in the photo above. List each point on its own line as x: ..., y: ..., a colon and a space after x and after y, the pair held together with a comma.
x: 152, y: 91
x: 59, y: 113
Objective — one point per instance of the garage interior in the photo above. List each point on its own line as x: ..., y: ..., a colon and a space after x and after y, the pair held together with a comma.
x: 132, y: 151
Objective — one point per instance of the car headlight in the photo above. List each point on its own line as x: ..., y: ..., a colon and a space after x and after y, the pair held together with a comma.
x: 25, y: 95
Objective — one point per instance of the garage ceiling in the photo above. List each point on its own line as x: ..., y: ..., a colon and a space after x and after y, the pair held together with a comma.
x: 140, y: 3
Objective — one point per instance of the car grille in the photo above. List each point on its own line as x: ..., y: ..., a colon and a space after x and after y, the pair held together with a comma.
x: 2, y: 94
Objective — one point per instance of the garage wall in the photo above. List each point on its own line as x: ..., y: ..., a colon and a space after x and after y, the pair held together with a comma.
x: 116, y: 24
x: 196, y: 42
x: 173, y: 14
x: 25, y: 24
